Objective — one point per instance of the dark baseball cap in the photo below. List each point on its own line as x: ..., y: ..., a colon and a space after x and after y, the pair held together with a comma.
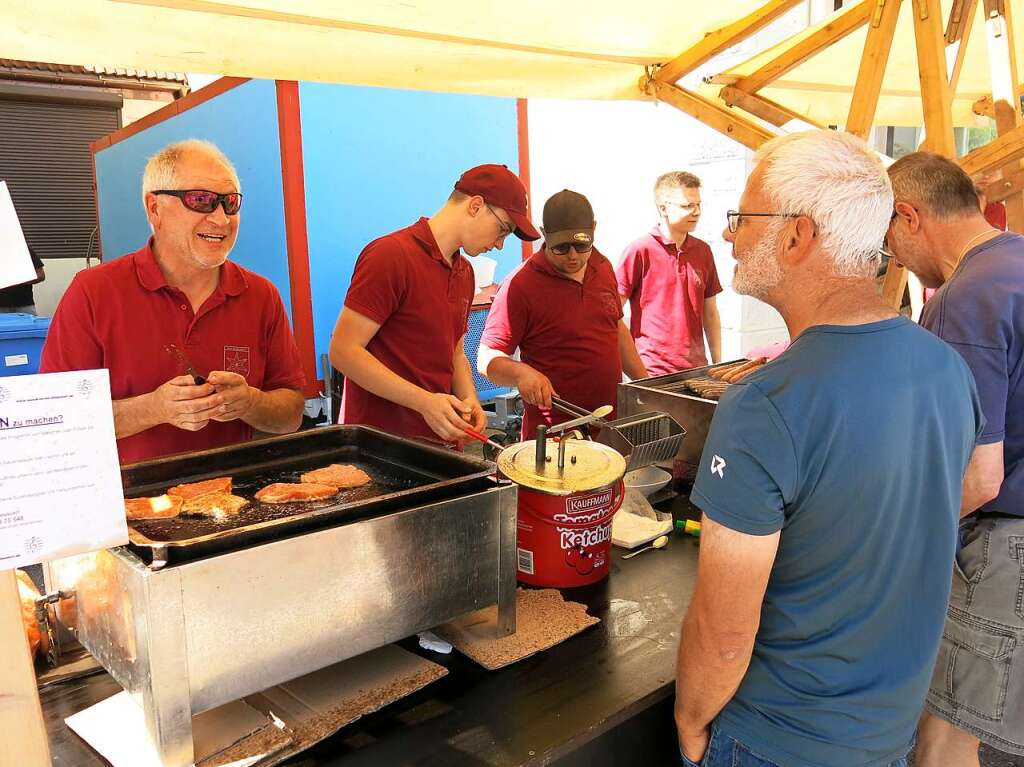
x: 500, y: 188
x: 568, y: 217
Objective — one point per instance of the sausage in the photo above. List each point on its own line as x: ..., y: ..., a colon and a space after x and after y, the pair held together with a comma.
x: 744, y: 373
x: 721, y: 372
x: 734, y: 375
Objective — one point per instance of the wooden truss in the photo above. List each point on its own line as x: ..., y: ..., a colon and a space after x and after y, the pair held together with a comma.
x: 748, y: 117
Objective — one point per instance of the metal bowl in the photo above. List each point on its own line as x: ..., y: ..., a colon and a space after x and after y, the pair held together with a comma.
x: 648, y: 480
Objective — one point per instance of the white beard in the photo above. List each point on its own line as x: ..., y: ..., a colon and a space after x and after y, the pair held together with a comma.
x: 759, y: 272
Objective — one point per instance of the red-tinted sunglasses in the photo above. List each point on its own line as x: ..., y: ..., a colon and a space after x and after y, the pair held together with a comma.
x: 204, y: 201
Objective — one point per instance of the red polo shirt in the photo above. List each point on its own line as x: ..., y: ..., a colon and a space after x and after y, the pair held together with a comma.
x: 120, y: 316
x: 404, y: 284
x: 566, y: 330
x: 667, y: 287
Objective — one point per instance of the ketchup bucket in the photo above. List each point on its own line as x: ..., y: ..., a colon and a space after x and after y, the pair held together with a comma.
x: 564, y: 524
x: 565, y: 541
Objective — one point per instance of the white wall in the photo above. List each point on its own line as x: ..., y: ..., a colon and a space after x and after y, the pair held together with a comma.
x: 612, y: 151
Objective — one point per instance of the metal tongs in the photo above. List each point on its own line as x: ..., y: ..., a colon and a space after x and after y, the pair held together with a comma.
x: 583, y: 416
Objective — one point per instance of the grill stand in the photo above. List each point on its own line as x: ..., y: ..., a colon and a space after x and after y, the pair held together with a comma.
x: 187, y: 638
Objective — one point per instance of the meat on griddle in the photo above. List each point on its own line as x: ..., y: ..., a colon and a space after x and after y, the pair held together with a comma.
x: 290, y: 492
x: 196, y: 489
x: 217, y: 505
x: 337, y: 475
x: 159, y: 507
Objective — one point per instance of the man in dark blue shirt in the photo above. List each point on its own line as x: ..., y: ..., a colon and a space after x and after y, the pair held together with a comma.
x: 830, y: 486
x: 977, y: 690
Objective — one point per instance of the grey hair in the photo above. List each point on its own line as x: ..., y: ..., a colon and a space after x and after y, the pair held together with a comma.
x: 162, y: 168
x: 838, y: 182
x: 935, y: 182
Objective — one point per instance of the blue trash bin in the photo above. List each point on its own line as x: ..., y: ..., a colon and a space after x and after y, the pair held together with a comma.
x: 21, y: 343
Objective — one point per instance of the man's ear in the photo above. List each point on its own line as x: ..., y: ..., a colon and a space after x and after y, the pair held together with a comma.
x: 152, y: 209
x: 798, y: 240
x: 910, y: 214
x: 476, y: 202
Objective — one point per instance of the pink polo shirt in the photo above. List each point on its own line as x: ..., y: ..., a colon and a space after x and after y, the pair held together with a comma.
x: 666, y: 288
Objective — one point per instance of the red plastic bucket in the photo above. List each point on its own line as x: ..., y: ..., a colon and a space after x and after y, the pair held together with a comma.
x: 565, y: 540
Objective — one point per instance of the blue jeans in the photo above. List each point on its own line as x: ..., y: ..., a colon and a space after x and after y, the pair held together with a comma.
x: 726, y: 751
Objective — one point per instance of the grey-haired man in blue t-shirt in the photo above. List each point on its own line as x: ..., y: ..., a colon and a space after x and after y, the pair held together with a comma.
x: 977, y: 689
x: 830, y: 486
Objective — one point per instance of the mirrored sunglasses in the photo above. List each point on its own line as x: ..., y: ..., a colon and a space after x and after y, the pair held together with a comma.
x: 205, y: 201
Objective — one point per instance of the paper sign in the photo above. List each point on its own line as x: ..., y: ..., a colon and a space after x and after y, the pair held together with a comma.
x: 15, y: 262
x: 60, y: 482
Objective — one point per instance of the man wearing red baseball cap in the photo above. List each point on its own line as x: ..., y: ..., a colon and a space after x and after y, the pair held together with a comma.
x: 399, y: 337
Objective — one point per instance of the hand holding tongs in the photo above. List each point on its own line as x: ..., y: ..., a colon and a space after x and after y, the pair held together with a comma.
x: 179, y: 355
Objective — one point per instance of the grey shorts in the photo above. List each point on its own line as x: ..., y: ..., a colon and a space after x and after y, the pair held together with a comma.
x: 978, y: 682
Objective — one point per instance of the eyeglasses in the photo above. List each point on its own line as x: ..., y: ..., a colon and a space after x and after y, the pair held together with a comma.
x: 734, y: 216
x: 204, y: 201
x: 506, y: 228
x: 689, y: 207
x: 579, y: 247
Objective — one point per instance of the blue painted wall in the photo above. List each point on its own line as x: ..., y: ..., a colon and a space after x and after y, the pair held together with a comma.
x: 243, y: 123
x: 377, y: 159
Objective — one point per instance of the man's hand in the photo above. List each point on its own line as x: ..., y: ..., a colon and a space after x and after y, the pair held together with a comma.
x: 236, y: 396
x: 446, y: 415
x: 694, y: 746
x: 477, y: 418
x: 181, y: 403
x: 534, y: 387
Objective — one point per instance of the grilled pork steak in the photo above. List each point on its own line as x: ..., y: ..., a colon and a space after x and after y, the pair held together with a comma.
x: 288, y: 492
x: 214, y: 505
x: 196, y: 489
x: 337, y: 475
x: 160, y: 507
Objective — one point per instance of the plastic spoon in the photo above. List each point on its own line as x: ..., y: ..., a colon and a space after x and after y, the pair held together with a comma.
x: 659, y: 543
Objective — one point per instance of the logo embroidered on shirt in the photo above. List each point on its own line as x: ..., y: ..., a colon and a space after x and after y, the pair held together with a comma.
x: 718, y: 466
x: 236, y: 359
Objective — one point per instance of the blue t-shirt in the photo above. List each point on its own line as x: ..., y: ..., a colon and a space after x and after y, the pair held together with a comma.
x: 980, y: 313
x: 854, y: 444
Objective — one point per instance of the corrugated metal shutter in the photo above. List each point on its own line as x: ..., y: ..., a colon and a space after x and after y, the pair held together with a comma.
x: 45, y: 159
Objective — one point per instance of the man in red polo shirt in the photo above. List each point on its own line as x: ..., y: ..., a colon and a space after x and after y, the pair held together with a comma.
x: 669, y: 278
x: 561, y: 310
x: 399, y: 337
x: 180, y: 289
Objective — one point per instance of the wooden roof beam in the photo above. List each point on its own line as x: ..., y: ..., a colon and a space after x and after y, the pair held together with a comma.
x: 1002, y: 56
x: 935, y: 96
x: 995, y: 154
x: 872, y: 68
x: 718, y: 116
x: 958, y: 33
x: 770, y: 111
x: 997, y: 191
x: 723, y: 39
x: 795, y: 51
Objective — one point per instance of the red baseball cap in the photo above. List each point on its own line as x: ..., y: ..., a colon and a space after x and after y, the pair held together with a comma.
x: 501, y: 188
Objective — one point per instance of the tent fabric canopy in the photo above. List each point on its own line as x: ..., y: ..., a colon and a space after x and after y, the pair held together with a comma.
x: 595, y: 49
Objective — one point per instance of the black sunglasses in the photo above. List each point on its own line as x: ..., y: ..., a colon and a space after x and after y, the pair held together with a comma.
x: 204, y: 201
x: 579, y: 247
